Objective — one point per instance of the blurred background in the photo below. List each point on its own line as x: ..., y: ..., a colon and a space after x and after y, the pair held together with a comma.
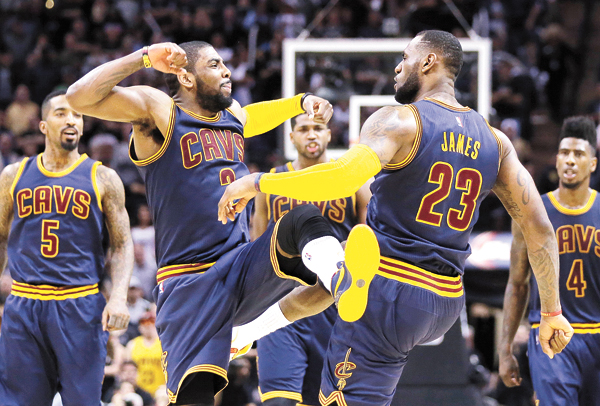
x: 545, y: 66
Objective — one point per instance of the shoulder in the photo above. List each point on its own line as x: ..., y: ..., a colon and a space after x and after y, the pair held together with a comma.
x: 9, y: 174
x: 399, y: 119
x: 109, y: 183
x: 238, y: 112
x: 507, y: 145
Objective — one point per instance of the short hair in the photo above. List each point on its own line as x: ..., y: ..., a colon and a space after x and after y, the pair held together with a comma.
x: 192, y: 51
x: 50, y: 96
x: 447, y: 45
x: 579, y: 127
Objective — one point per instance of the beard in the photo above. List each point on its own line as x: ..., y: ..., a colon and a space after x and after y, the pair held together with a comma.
x: 69, y: 145
x: 408, y: 91
x: 211, y: 101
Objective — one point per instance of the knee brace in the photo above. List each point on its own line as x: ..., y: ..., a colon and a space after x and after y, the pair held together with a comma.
x: 301, y: 225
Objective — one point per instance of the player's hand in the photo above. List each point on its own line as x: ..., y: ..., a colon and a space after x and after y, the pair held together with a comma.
x: 509, y: 370
x: 242, y: 189
x: 318, y: 109
x: 167, y: 57
x: 555, y: 333
x: 115, y: 315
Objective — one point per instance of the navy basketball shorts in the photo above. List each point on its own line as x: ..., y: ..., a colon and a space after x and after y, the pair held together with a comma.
x: 52, y: 345
x: 365, y: 358
x: 196, y: 312
x: 290, y: 360
x: 572, y: 377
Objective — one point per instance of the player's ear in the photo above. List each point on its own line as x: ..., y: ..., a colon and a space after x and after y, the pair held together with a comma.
x: 594, y: 164
x: 43, y: 127
x: 428, y: 62
x: 186, y: 79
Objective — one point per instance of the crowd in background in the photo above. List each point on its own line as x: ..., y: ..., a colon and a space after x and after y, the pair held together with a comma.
x: 534, y: 61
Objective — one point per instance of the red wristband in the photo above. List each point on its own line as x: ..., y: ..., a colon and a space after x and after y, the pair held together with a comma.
x: 257, y: 181
x: 551, y: 314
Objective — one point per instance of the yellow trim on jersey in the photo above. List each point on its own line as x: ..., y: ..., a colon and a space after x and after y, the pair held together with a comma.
x: 95, y: 183
x: 214, y: 119
x: 273, y: 170
x: 416, y: 143
x: 279, y: 394
x: 335, y: 396
x: 214, y: 369
x: 442, y: 285
x: 273, y: 255
x: 18, y: 176
x: 573, y: 212
x: 163, y: 147
x: 170, y: 271
x: 447, y: 105
x: 49, y: 292
x: 499, y: 142
x: 62, y: 173
x: 579, y: 328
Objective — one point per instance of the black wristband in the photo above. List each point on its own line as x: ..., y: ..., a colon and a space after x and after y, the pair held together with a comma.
x: 257, y: 181
x: 302, y: 99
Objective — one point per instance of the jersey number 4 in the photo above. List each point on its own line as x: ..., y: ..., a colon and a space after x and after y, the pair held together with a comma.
x: 575, y: 281
x: 467, y: 179
x: 49, y: 246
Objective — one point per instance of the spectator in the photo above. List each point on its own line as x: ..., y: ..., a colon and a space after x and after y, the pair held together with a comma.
x: 146, y: 352
x: 22, y: 115
x: 137, y: 306
x: 144, y: 269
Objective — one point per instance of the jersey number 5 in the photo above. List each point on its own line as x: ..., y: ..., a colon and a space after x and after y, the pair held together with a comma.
x: 49, y: 246
x: 467, y: 179
x: 575, y: 281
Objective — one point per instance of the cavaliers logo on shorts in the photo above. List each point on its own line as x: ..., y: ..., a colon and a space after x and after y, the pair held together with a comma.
x: 341, y: 370
x: 163, y: 363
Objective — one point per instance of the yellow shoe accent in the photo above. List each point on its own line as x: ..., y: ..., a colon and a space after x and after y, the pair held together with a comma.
x: 362, y: 261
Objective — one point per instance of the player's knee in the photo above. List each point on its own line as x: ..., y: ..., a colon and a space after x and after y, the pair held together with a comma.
x: 280, y: 402
x: 301, y: 225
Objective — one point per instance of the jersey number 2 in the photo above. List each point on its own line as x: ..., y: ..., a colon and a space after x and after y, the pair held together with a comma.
x: 575, y: 281
x: 467, y: 179
x: 49, y: 246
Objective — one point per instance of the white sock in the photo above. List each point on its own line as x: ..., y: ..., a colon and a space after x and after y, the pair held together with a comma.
x: 272, y: 319
x: 322, y: 256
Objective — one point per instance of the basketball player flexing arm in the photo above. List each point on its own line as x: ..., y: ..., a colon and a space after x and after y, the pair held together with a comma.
x: 189, y: 145
x: 434, y: 161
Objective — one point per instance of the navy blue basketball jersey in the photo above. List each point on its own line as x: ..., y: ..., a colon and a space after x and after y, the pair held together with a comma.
x: 56, y: 233
x: 423, y: 209
x: 579, y: 252
x: 185, y: 180
x: 341, y: 213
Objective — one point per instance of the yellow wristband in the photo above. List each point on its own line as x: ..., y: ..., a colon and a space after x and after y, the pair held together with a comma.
x: 146, y: 58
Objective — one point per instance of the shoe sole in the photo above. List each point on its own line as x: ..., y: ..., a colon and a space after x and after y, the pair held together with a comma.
x: 362, y: 261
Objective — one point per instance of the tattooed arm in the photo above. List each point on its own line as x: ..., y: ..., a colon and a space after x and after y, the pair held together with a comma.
x: 97, y: 94
x: 515, y: 304
x: 6, y: 209
x: 120, y: 256
x: 517, y: 192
